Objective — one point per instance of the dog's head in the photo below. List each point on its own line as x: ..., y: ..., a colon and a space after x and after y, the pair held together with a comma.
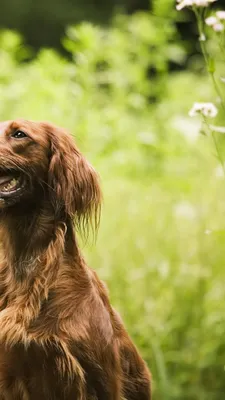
x: 37, y: 158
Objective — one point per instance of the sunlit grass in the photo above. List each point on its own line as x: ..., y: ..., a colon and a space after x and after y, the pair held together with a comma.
x: 161, y: 252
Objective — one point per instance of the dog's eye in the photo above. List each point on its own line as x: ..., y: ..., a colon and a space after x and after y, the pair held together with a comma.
x: 19, y: 135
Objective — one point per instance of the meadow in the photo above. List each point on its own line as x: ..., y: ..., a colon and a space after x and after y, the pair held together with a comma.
x: 161, y: 242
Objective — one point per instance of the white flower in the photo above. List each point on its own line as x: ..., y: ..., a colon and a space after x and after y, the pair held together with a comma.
x: 211, y: 21
x: 206, y: 109
x: 188, y: 3
x: 184, y: 3
x: 221, y: 15
x: 218, y: 27
x: 215, y: 23
x: 203, y: 3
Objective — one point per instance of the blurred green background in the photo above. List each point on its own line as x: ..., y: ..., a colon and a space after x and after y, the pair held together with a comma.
x: 123, y: 87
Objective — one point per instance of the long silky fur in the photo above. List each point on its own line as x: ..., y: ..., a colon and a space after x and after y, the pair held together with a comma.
x: 59, y: 336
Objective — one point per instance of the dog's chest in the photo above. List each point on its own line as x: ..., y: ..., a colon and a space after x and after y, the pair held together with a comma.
x: 36, y: 373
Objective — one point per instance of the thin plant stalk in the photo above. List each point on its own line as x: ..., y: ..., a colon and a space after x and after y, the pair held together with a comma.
x: 215, y: 142
x: 210, y: 66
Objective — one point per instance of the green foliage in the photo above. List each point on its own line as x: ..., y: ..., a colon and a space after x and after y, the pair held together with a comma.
x: 161, y: 242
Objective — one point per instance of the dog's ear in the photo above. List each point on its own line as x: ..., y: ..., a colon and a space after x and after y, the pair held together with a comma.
x: 73, y: 182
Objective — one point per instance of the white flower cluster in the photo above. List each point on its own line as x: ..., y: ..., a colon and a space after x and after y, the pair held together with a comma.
x: 205, y: 109
x: 221, y: 15
x: 189, y: 3
x: 216, y: 21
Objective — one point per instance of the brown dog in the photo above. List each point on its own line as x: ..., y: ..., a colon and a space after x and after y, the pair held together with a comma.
x: 60, y: 339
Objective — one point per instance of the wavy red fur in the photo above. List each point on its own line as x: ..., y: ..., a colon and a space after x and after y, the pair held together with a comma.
x: 59, y: 336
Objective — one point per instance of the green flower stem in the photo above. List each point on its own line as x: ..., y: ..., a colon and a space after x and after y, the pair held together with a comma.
x: 210, y: 65
x: 215, y: 142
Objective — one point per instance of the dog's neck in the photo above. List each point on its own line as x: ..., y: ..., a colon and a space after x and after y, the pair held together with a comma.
x: 39, y: 249
x: 27, y: 232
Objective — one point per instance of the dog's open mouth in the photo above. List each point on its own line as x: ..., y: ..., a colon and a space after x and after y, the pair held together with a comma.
x: 10, y: 184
